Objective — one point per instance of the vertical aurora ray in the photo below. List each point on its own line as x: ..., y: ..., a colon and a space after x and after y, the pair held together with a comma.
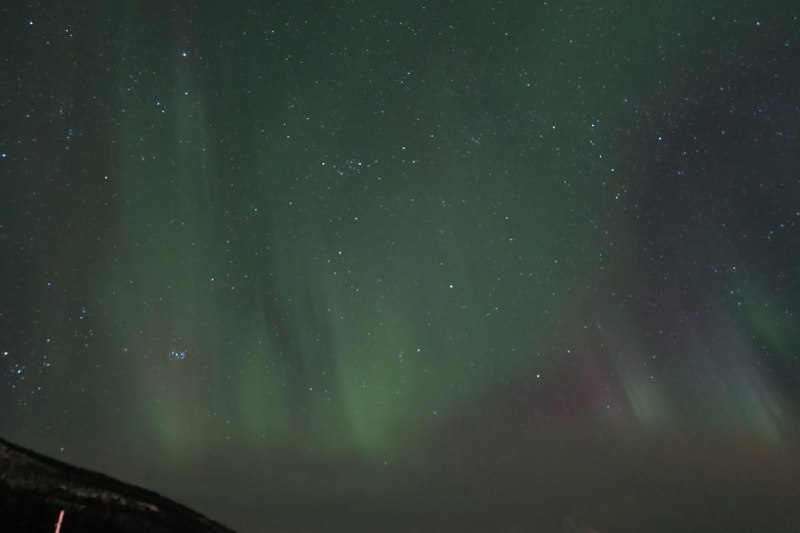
x: 160, y: 274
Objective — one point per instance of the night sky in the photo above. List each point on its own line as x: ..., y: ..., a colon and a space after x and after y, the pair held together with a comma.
x: 393, y: 265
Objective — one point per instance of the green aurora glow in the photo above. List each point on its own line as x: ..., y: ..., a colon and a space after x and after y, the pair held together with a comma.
x: 323, y: 246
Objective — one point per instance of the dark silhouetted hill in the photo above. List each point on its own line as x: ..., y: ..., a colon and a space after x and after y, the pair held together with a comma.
x: 34, y: 489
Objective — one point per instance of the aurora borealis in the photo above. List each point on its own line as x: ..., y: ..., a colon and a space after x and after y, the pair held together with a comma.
x: 406, y: 266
